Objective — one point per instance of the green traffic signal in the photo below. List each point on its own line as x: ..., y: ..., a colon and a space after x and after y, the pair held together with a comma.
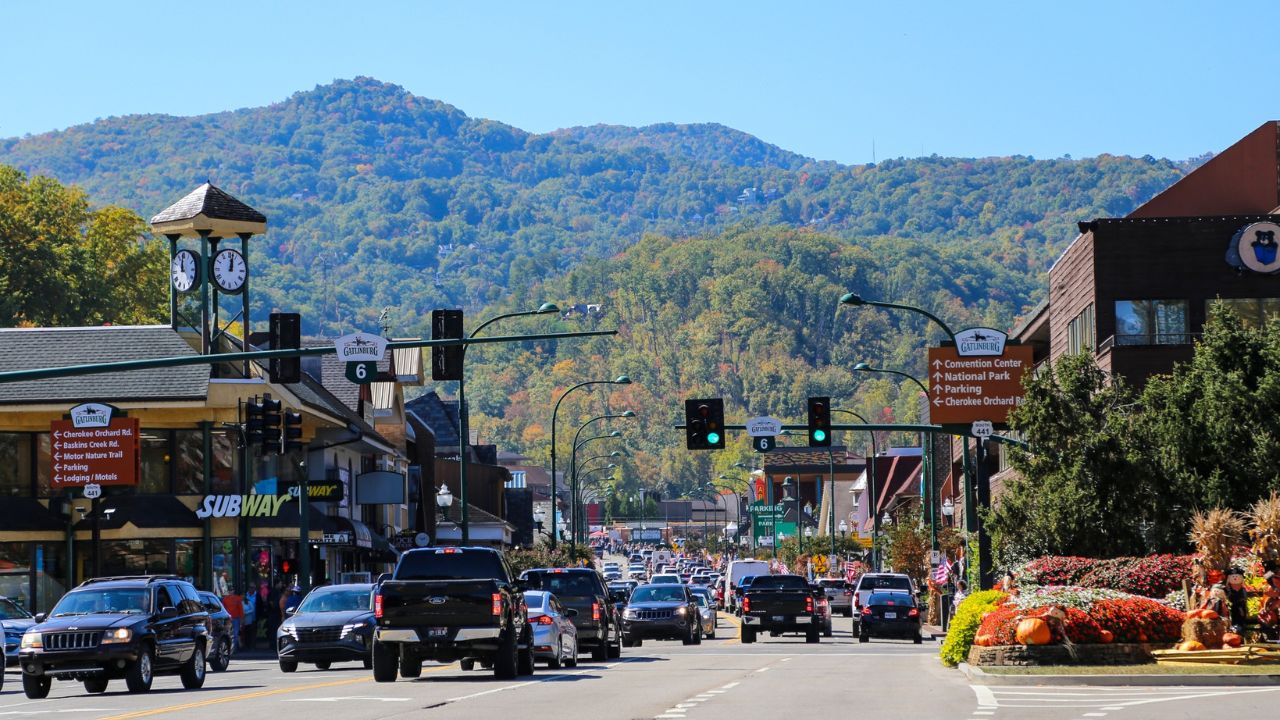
x: 713, y: 438
x: 819, y: 435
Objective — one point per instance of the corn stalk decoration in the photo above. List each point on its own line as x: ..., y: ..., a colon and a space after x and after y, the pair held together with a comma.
x: 1216, y: 534
x: 1265, y: 533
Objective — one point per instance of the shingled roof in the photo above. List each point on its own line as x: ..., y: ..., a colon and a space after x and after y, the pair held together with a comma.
x: 439, y: 415
x: 25, y: 349
x: 211, y: 202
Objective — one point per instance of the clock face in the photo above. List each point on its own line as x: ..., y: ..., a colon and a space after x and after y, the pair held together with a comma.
x: 229, y: 271
x: 183, y: 270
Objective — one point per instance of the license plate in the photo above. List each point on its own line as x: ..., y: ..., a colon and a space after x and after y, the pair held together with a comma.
x: 890, y: 616
x: 779, y: 618
x: 437, y: 632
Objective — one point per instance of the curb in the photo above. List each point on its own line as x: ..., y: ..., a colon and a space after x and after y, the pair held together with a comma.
x: 977, y: 676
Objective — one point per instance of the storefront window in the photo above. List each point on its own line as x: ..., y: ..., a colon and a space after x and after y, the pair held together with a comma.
x: 15, y: 465
x: 1253, y: 312
x: 50, y: 574
x: 15, y: 572
x: 135, y: 557
x: 187, y: 561
x: 224, y: 566
x: 44, y: 465
x: 155, y: 462
x: 1151, y: 322
x: 224, y: 463
x: 188, y: 462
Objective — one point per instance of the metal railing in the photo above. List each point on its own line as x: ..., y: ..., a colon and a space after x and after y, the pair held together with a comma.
x: 1148, y: 340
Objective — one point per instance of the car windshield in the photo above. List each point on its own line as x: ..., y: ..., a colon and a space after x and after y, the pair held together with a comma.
x: 703, y: 600
x: 665, y: 578
x: 674, y: 593
x: 894, y: 598
x: 103, y: 600
x: 335, y: 601
x: 564, y: 584
x: 779, y: 582
x: 831, y: 583
x: 885, y: 582
x: 9, y: 610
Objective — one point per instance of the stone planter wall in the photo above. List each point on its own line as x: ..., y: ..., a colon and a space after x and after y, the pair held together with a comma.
x: 1095, y: 654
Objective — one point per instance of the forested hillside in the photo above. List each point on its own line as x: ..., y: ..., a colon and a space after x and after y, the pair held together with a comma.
x: 379, y: 198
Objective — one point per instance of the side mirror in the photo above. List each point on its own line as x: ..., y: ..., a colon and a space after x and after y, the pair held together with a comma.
x: 289, y: 611
x: 168, y: 611
x: 40, y: 617
x: 570, y: 613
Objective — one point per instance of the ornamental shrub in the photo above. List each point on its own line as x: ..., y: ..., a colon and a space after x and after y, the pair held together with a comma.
x: 1054, y: 570
x: 1139, y: 619
x: 1002, y: 625
x: 964, y: 626
x: 1153, y: 576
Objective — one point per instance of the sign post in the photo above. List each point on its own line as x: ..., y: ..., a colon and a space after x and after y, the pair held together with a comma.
x: 94, y: 448
x: 361, y: 352
x: 764, y: 432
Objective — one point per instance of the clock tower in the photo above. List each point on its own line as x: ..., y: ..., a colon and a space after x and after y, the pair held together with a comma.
x: 208, y: 233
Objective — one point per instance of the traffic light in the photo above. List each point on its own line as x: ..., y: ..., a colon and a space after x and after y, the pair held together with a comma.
x: 446, y: 361
x: 252, y: 421
x: 292, y: 431
x: 270, y: 424
x: 704, y: 423
x: 285, y: 334
x: 819, y: 422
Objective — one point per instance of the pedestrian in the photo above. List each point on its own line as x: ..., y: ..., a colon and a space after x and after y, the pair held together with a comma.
x: 274, y: 614
x: 249, y: 628
x: 961, y: 592
x: 290, y: 600
x: 235, y: 608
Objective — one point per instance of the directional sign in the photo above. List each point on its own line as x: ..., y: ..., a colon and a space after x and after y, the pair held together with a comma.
x: 362, y: 373
x: 106, y: 455
x: 92, y: 491
x: 965, y: 389
x: 982, y: 429
x: 763, y: 443
x: 759, y: 426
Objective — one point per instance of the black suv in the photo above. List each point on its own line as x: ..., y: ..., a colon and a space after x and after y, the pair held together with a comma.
x: 583, y: 589
x: 121, y: 627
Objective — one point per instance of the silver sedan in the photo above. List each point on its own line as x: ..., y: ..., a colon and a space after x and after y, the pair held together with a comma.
x: 706, y: 610
x: 555, y: 638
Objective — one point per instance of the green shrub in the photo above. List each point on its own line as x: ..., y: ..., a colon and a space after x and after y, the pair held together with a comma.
x: 964, y: 626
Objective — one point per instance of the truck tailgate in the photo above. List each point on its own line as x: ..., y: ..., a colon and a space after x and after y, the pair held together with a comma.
x: 443, y: 603
x: 777, y: 602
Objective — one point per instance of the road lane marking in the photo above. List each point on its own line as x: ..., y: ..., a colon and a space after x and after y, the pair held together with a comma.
x: 542, y: 679
x: 235, y: 698
x: 986, y: 698
x: 342, y: 698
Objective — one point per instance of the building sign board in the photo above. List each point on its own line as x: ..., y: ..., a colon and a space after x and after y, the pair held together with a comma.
x: 980, y: 342
x: 964, y: 389
x: 91, y: 415
x: 97, y: 453
x: 241, y: 505
x: 1256, y: 247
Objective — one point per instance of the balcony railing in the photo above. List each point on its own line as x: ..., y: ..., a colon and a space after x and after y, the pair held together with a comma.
x: 1148, y: 340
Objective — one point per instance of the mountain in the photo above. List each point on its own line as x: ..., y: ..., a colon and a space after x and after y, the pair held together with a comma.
x: 379, y: 198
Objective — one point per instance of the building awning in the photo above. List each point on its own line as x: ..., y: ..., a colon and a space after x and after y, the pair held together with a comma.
x: 344, y: 531
x: 19, y: 514
x: 142, y: 511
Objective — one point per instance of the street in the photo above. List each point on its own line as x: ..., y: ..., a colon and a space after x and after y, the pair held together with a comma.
x: 721, y: 679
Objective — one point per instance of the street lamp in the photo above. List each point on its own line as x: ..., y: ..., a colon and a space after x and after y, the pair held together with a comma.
x: 949, y: 510
x: 444, y: 499
x: 871, y: 486
x: 573, y: 462
x: 620, y: 380
x: 464, y: 431
x: 844, y: 529
x: 886, y: 519
x: 791, y: 488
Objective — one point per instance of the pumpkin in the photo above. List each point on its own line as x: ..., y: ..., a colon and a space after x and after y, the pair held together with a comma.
x: 1191, y: 645
x: 1231, y: 640
x: 1208, y: 615
x: 982, y: 640
x: 1034, y: 631
x: 1142, y: 637
x: 1108, y: 636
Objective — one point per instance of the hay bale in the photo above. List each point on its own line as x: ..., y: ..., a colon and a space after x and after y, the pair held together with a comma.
x: 1207, y: 632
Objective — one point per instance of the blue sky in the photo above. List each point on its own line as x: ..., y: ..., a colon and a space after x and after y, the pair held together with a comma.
x: 826, y: 79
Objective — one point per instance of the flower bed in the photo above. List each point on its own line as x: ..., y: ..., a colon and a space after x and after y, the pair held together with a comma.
x: 963, y: 627
x: 1153, y: 576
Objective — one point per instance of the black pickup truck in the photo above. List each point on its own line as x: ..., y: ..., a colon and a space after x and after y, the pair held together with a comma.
x: 447, y: 604
x: 778, y: 604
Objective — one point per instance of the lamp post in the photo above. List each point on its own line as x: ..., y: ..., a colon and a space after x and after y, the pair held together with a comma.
x: 620, y: 380
x: 926, y: 452
x: 573, y: 464
x: 948, y: 511
x: 874, y: 499
x: 464, y: 431
x: 790, y: 488
x: 844, y: 529
x: 585, y: 473
x: 444, y: 499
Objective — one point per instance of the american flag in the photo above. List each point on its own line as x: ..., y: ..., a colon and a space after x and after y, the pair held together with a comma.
x: 782, y: 569
x: 943, y: 572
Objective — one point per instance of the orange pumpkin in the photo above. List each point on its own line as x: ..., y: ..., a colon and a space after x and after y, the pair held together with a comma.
x: 1108, y: 636
x: 1191, y: 645
x: 982, y: 640
x: 1231, y: 640
x: 1034, y: 631
x: 1142, y: 637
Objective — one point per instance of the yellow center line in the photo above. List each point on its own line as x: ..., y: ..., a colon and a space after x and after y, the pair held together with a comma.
x: 251, y: 696
x: 736, y: 623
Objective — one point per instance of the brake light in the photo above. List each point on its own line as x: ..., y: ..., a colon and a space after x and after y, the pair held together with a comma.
x: 544, y: 620
x: 808, y: 604
x: 857, y: 598
x: 377, y: 605
x: 914, y: 613
x: 595, y: 611
x: 746, y: 604
x: 866, y: 610
x: 497, y: 604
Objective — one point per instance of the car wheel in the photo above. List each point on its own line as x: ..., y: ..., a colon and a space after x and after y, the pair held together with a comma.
x: 384, y: 662
x: 848, y: 612
x: 811, y: 636
x: 711, y: 635
x: 410, y: 667
x: 193, y: 671
x: 556, y: 660
x: 600, y: 651
x: 917, y: 639
x: 864, y: 638
x: 467, y: 665
x: 826, y: 631
x: 748, y: 635
x: 36, y: 686
x: 219, y: 662
x: 506, y: 661
x: 324, y: 665
x: 140, y: 673
x: 615, y: 648
x: 288, y: 666
x: 524, y: 660
x: 368, y: 663
x: 572, y: 661
x: 96, y: 685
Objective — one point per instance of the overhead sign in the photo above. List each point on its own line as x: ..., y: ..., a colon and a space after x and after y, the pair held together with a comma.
x: 965, y: 389
x: 980, y: 342
x: 360, y: 347
x: 1256, y: 247
x: 362, y: 373
x: 982, y: 429
x: 91, y: 415
x: 761, y: 426
x: 342, y: 537
x: 98, y: 454
x: 763, y: 443
x: 380, y: 487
